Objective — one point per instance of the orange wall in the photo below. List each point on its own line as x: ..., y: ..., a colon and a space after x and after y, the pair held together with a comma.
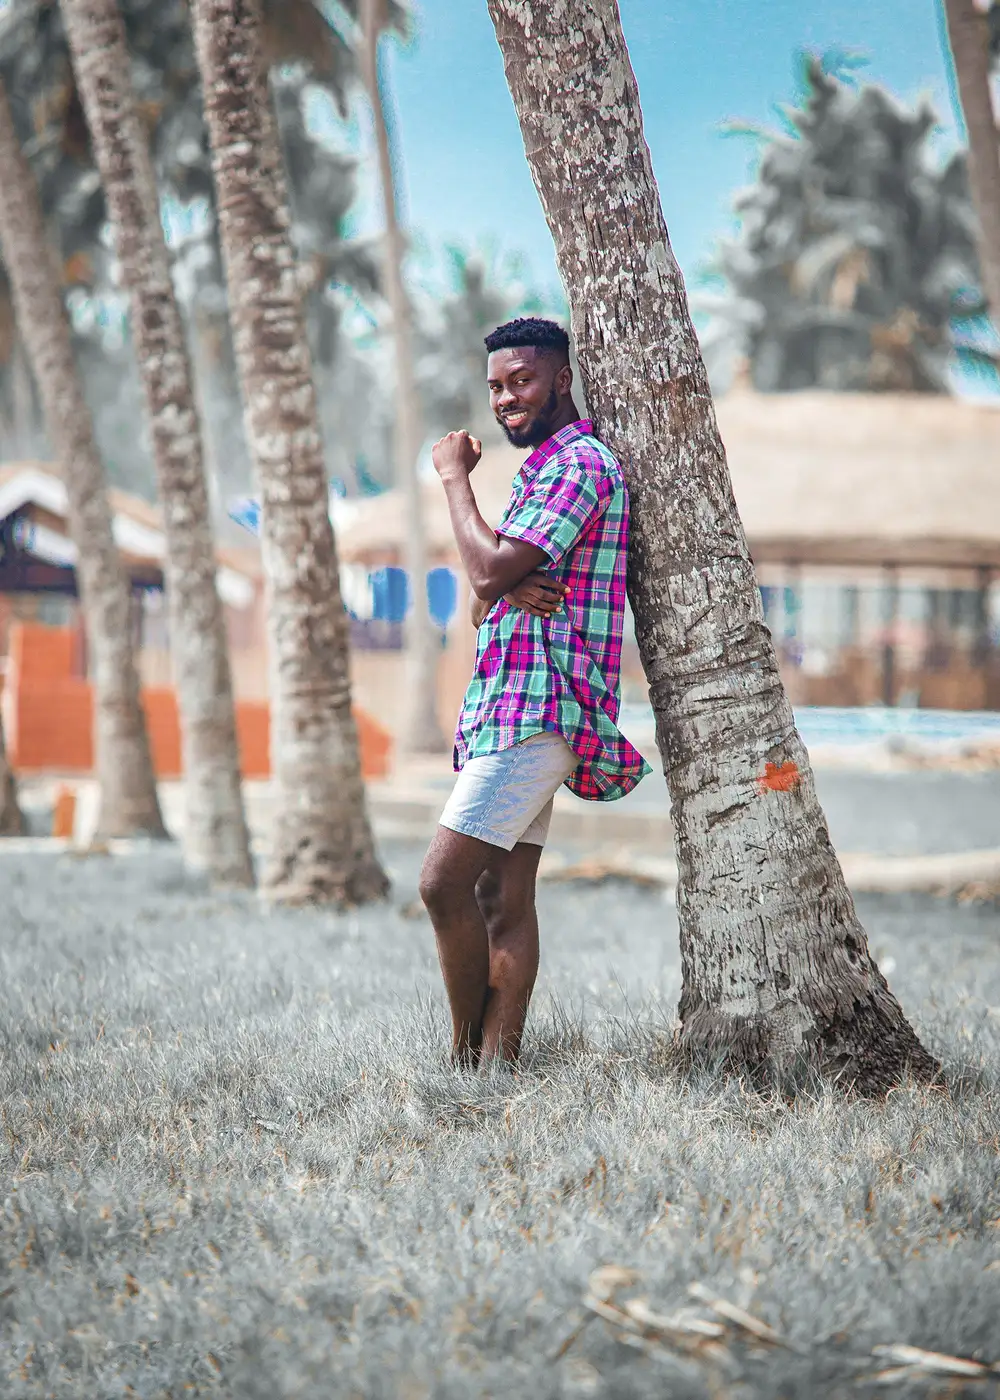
x: 38, y: 653
x: 49, y: 715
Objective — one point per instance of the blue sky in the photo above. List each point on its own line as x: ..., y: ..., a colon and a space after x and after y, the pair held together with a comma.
x: 699, y: 63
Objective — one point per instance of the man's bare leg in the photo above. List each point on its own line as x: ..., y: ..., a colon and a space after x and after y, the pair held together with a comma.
x: 451, y: 870
x: 481, y: 900
x: 506, y: 896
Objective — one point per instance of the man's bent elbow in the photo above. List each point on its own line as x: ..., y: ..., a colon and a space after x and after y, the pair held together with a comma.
x: 487, y: 587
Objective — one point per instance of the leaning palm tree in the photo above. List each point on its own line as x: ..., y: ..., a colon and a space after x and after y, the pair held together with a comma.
x: 422, y: 730
x: 322, y: 847
x: 310, y: 61
x: 776, y: 964
x: 969, y: 40
x: 128, y: 799
x: 216, y: 835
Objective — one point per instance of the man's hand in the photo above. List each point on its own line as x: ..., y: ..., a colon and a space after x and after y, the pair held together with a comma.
x: 492, y: 563
x: 539, y: 595
x: 456, y: 453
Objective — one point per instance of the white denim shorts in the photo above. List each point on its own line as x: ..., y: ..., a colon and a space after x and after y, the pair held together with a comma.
x: 505, y: 798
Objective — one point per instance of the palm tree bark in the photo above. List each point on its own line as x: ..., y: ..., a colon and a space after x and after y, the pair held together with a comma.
x: 12, y: 821
x: 216, y: 838
x: 969, y: 40
x: 776, y: 965
x: 23, y: 415
x: 422, y: 732
x: 322, y: 844
x: 128, y: 800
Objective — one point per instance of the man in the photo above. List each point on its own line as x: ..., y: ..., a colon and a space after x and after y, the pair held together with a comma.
x: 541, y: 709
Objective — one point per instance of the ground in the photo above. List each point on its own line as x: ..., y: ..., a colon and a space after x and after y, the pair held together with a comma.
x: 907, y: 813
x: 236, y: 1163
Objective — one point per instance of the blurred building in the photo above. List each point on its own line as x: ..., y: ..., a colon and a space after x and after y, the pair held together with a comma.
x: 38, y: 577
x: 371, y: 537
x: 45, y: 689
x: 874, y: 522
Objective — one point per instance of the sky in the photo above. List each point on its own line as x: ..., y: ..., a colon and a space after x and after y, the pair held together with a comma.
x: 699, y: 63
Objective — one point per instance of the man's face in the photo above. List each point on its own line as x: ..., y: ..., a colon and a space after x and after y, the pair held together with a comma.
x: 525, y: 390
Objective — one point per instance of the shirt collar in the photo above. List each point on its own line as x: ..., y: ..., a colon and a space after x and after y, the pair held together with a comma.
x: 583, y: 427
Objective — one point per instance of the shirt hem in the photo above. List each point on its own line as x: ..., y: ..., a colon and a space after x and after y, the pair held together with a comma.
x: 622, y: 780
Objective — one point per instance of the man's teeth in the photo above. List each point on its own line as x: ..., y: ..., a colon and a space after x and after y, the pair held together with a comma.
x: 514, y: 417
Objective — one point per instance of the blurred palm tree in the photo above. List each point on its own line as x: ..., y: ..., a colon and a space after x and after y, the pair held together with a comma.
x: 321, y: 845
x: 857, y: 250
x: 216, y: 836
x: 311, y: 62
x: 483, y: 286
x: 421, y: 732
x: 322, y: 189
x: 129, y: 803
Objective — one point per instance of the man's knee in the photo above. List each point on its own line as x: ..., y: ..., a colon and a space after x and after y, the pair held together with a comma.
x: 434, y: 887
x: 510, y: 912
x: 508, y: 904
x: 442, y: 888
x: 488, y: 896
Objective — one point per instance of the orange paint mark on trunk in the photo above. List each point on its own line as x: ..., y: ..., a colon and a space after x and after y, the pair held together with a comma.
x: 779, y: 777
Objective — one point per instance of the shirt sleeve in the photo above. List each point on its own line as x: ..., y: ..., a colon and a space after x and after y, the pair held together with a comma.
x: 561, y: 504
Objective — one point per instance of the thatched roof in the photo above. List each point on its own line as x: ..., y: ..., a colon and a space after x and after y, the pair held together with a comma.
x: 865, y: 477
x: 818, y: 477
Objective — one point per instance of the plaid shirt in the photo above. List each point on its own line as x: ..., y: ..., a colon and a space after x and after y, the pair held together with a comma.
x: 562, y: 672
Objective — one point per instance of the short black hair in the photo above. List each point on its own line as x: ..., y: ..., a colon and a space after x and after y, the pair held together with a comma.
x: 546, y: 337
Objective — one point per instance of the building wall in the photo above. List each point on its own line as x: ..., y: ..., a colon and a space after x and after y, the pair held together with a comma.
x: 870, y: 636
x: 48, y: 715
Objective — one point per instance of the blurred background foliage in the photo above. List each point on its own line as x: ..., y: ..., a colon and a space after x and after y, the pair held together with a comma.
x: 853, y: 266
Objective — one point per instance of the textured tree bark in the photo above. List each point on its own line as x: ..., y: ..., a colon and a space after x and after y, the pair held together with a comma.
x: 422, y: 733
x: 12, y: 821
x: 322, y: 845
x: 777, y: 971
x: 216, y: 838
x: 23, y: 417
x: 128, y: 801
x: 969, y: 40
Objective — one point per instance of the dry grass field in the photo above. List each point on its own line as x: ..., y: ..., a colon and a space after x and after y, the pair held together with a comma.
x: 235, y: 1163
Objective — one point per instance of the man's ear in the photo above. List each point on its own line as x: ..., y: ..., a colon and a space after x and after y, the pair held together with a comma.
x: 564, y: 378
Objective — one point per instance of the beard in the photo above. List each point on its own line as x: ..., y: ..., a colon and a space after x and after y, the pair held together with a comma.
x: 537, y: 429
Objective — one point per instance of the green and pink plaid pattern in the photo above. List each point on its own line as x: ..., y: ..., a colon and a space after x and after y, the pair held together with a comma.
x: 561, y: 673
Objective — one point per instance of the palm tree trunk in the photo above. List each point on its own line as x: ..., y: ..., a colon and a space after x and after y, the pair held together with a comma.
x: 12, y: 821
x: 322, y: 845
x: 129, y: 803
x: 23, y: 403
x: 422, y: 732
x: 969, y: 40
x: 776, y: 965
x: 216, y: 838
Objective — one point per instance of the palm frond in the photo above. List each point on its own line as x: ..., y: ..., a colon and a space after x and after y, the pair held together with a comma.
x: 850, y: 227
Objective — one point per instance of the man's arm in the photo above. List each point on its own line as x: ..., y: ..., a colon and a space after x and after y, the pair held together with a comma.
x: 494, y: 564
x: 478, y: 608
x: 537, y: 594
